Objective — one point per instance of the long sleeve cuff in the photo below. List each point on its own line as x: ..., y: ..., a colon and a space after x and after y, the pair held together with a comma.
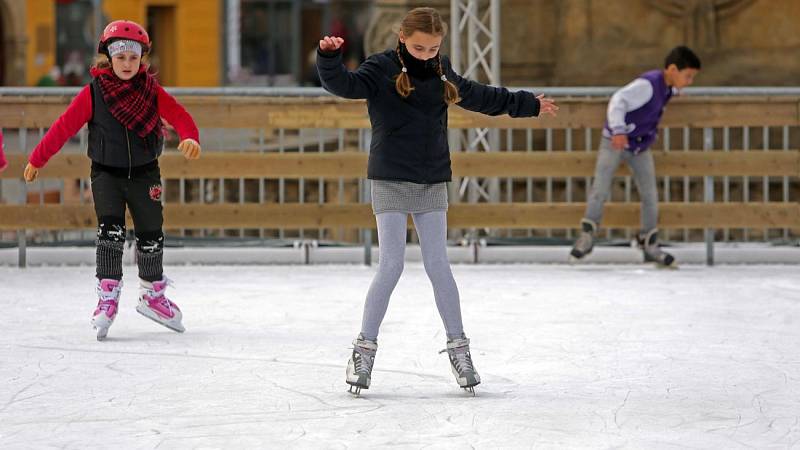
x: 329, y: 53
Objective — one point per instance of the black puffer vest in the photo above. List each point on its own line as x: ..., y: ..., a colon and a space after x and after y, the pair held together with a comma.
x: 113, y: 145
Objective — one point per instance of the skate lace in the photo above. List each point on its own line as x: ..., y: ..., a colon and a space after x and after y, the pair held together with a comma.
x: 110, y: 296
x: 160, y: 296
x: 165, y: 302
x: 461, y: 359
x: 584, y: 241
x: 161, y: 300
x: 105, y: 305
x: 363, y: 361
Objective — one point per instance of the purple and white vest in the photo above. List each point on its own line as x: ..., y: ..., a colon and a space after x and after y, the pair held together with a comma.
x: 642, y: 123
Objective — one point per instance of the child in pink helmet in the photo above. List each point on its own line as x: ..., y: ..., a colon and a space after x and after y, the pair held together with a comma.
x: 123, y: 106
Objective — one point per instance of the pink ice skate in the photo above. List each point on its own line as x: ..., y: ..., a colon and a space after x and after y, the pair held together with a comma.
x: 154, y: 305
x: 106, y: 311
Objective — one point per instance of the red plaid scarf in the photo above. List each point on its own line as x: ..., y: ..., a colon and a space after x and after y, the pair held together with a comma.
x: 132, y: 102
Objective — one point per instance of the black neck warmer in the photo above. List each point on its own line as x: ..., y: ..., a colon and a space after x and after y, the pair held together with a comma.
x: 417, y: 67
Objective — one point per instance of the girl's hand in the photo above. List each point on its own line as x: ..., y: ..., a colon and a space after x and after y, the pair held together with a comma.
x: 190, y: 148
x: 547, y: 105
x: 330, y: 43
x: 30, y: 173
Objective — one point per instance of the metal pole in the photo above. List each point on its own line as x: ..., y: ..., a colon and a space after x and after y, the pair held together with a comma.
x: 98, y: 17
x: 22, y: 242
x: 708, y: 195
x: 495, y: 28
x: 233, y: 39
x: 297, y: 32
x: 22, y: 238
x: 455, y: 35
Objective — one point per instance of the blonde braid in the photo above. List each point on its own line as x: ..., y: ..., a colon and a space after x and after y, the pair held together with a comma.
x: 451, y: 94
x: 403, y: 81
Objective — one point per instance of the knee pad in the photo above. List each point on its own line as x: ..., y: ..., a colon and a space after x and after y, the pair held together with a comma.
x: 150, y: 241
x: 111, y: 228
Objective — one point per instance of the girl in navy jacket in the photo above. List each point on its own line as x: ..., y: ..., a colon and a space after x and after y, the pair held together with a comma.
x: 408, y: 91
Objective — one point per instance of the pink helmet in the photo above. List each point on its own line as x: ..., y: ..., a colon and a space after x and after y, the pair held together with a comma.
x: 124, y: 29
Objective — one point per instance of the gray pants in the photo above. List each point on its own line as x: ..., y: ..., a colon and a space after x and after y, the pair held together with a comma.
x: 644, y: 174
x: 432, y: 230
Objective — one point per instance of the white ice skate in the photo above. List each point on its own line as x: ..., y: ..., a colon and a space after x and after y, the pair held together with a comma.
x: 359, y: 366
x: 461, y: 364
x: 652, y: 252
x: 107, y: 305
x: 585, y: 242
x: 154, y: 305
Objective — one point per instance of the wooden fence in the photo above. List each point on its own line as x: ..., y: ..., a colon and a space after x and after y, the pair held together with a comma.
x: 709, y: 161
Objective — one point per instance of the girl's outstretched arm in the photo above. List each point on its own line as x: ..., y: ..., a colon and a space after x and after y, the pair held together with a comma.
x: 182, y: 121
x: 336, y: 79
x: 77, y: 114
x: 495, y: 101
x: 67, y: 125
x: 177, y: 116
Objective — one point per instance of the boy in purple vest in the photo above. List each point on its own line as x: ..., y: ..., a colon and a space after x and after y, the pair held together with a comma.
x: 631, y: 127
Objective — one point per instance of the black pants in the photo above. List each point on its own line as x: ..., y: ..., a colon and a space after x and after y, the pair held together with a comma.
x: 138, y: 189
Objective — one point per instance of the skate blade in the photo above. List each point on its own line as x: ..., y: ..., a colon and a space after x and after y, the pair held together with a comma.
x: 355, y: 390
x: 470, y: 388
x: 177, y: 327
x: 572, y: 259
x: 672, y: 266
x: 101, y: 325
x: 101, y: 333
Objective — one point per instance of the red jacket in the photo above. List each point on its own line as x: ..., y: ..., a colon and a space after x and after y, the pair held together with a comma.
x: 79, y: 112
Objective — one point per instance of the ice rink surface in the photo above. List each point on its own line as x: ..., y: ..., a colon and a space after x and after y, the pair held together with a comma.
x: 571, y: 357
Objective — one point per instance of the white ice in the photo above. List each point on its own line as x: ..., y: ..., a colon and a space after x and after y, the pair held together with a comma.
x: 583, y: 356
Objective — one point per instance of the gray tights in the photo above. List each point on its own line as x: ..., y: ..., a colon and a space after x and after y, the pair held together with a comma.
x: 432, y: 230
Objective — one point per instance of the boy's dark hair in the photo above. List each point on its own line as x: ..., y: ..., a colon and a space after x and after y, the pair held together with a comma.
x: 683, y: 57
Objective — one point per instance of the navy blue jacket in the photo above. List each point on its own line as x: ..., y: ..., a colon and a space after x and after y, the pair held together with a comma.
x: 409, y: 136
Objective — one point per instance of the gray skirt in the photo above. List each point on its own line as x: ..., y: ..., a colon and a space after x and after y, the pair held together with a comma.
x: 408, y: 197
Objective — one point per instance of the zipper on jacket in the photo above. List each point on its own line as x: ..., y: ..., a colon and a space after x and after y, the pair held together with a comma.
x: 130, y: 163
